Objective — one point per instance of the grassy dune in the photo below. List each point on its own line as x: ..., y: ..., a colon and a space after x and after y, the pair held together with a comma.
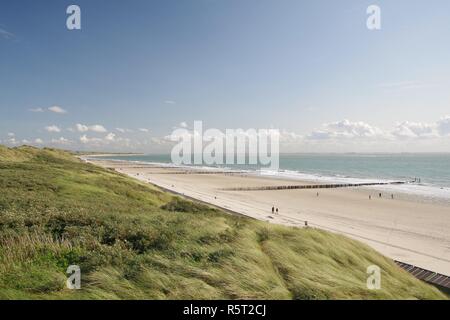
x: 134, y: 241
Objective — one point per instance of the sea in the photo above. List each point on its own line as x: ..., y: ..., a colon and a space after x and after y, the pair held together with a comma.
x: 428, y: 175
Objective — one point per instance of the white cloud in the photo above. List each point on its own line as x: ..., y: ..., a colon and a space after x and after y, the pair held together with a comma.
x: 443, y: 126
x: 97, y: 128
x: 6, y: 34
x: 81, y: 127
x: 346, y: 129
x: 291, y: 137
x: 414, y: 130
x: 169, y: 102
x: 348, y: 136
x: 158, y: 141
x: 110, y: 137
x: 11, y: 134
x: 61, y: 140
x: 124, y: 130
x: 179, y: 134
x: 94, y: 128
x: 182, y: 125
x: 143, y: 130
x: 408, y: 129
x: 38, y: 141
x: 319, y: 135
x: 52, y: 129
x: 12, y: 141
x: 57, y: 109
x: 354, y: 129
x: 37, y: 110
x: 406, y: 85
x: 85, y: 139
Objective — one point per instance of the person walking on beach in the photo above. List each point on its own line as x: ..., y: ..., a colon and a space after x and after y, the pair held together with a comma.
x: 370, y: 197
x: 273, y: 209
x: 379, y: 194
x: 277, y: 210
x: 392, y: 196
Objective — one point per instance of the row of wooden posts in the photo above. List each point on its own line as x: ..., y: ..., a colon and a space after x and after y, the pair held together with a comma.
x: 313, y: 186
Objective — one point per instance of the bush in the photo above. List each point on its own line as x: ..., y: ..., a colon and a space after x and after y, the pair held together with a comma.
x: 180, y: 205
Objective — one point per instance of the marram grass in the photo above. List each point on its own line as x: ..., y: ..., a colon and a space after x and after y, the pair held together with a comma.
x: 134, y: 241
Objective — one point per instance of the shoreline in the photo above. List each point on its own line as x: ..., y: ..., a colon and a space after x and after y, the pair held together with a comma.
x: 95, y: 155
x: 407, y: 189
x: 402, y: 229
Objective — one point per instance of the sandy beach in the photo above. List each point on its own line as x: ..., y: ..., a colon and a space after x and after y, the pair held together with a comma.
x: 403, y: 228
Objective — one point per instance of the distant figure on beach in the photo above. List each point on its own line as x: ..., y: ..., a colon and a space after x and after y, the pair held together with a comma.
x: 370, y: 197
x: 317, y: 194
x: 306, y: 223
x: 379, y: 194
x: 273, y: 209
x: 392, y: 196
x: 277, y: 210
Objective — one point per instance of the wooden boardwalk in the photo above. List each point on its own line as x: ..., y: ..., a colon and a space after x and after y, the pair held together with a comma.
x: 431, y: 277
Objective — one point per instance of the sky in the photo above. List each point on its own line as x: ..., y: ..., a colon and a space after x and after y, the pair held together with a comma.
x: 139, y: 69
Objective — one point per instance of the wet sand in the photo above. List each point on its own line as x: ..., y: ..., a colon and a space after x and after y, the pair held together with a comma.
x: 403, y: 228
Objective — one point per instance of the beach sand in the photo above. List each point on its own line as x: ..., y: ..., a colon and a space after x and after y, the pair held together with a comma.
x: 404, y: 229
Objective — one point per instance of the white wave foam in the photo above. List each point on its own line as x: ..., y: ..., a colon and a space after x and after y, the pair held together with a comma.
x: 423, y: 190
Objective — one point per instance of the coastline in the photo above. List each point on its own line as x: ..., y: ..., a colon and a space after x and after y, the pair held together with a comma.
x: 95, y: 155
x: 432, y: 188
x: 403, y: 229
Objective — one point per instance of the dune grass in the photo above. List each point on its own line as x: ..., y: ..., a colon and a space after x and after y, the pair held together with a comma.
x: 134, y: 241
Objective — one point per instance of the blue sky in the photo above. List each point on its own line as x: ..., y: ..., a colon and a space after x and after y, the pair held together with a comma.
x: 309, y: 68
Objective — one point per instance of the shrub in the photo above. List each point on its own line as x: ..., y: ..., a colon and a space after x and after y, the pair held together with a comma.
x: 180, y: 205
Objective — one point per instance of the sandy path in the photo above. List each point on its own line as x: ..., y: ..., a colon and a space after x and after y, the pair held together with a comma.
x: 411, y: 231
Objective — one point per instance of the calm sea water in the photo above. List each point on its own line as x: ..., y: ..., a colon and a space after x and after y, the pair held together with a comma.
x: 432, y: 169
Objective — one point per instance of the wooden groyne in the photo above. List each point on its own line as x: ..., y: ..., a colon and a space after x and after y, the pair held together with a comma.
x: 315, y: 186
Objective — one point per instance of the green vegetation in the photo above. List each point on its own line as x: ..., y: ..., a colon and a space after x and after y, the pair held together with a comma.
x: 133, y: 241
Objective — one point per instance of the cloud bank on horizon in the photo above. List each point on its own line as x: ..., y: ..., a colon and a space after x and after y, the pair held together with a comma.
x: 345, y: 135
